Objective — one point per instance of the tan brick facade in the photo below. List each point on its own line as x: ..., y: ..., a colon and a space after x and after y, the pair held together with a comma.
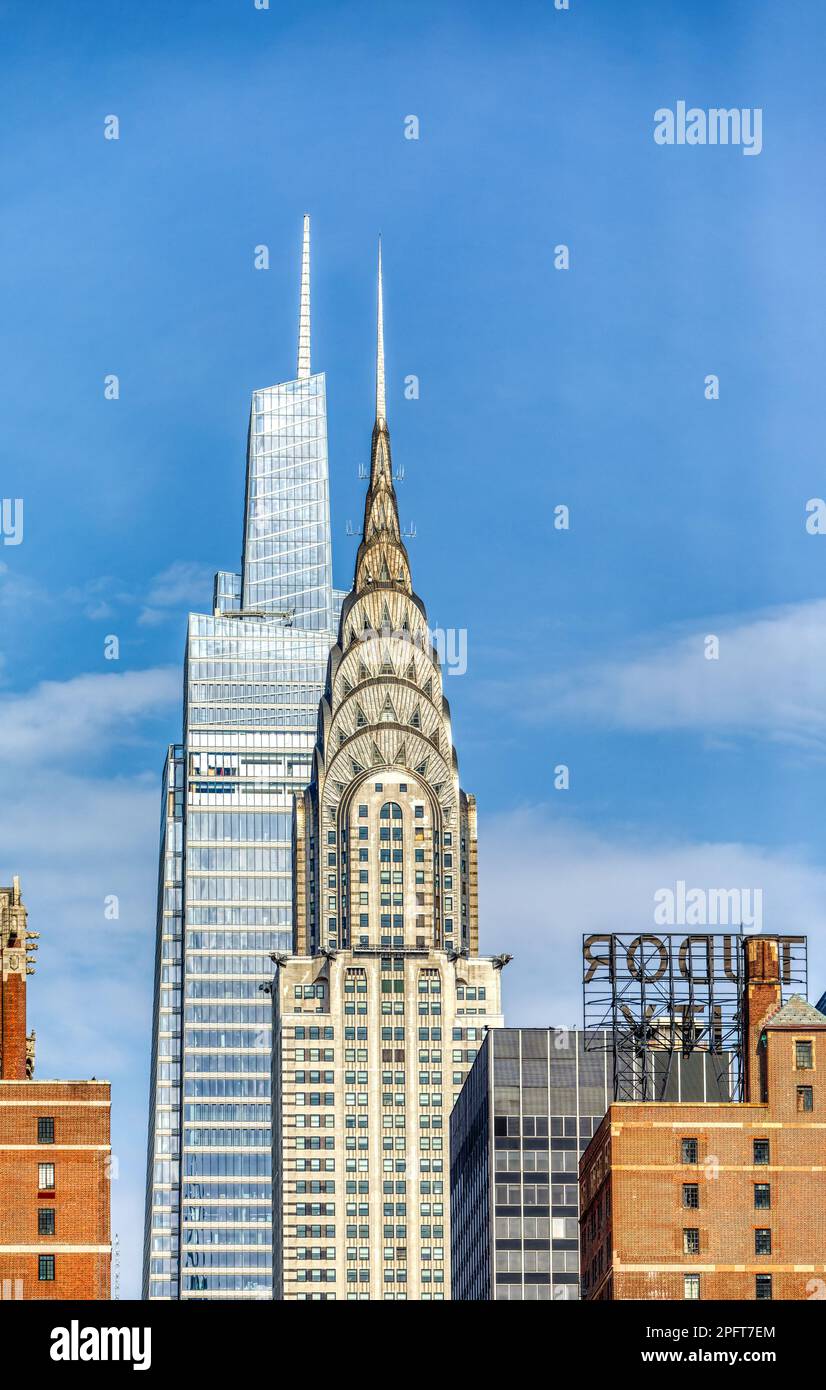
x: 367, y: 1073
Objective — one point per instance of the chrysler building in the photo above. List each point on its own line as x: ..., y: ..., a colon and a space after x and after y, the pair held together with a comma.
x: 382, y: 1005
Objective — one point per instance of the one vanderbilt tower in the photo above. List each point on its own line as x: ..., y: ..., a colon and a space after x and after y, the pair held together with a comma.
x: 254, y: 674
x: 380, y: 1008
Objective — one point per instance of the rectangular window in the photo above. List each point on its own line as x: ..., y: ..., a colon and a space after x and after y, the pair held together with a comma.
x: 45, y: 1221
x: 762, y: 1241
x: 45, y: 1177
x: 45, y: 1130
x: 763, y: 1286
x: 761, y: 1150
x: 45, y: 1268
x: 691, y: 1194
x: 762, y: 1196
x: 805, y: 1098
x: 691, y: 1286
x: 803, y: 1056
x: 691, y: 1240
x: 689, y: 1150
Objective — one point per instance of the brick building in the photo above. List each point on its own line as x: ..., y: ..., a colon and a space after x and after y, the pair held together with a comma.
x: 715, y: 1200
x: 55, y: 1152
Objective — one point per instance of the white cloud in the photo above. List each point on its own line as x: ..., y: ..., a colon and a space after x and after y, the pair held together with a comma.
x: 18, y: 593
x: 185, y: 584
x: 75, y: 841
x: 545, y: 882
x: 770, y: 680
x: 61, y: 720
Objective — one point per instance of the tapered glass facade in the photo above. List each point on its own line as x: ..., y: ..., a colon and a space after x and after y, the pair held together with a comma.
x: 253, y: 679
x: 240, y: 778
x: 287, y: 554
x: 163, y: 1159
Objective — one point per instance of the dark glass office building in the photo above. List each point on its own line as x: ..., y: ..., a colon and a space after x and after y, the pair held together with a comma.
x: 524, y: 1117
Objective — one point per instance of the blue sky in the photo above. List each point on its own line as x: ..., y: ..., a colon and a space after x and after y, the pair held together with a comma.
x: 538, y: 387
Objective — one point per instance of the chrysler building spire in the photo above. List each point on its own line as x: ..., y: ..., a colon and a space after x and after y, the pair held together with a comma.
x: 304, y: 306
x: 381, y: 403
x: 382, y: 556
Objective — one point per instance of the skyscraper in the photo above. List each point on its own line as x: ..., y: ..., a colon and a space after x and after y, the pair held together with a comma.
x: 254, y: 670
x: 379, y: 1010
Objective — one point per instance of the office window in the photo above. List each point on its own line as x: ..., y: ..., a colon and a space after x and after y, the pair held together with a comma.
x: 762, y: 1241
x: 689, y: 1151
x: 805, y: 1099
x: 691, y: 1194
x: 45, y: 1130
x: 761, y: 1151
x: 691, y: 1286
x: 45, y: 1268
x: 762, y: 1195
x: 45, y: 1177
x: 691, y: 1240
x: 45, y: 1221
x: 803, y: 1056
x: 763, y: 1286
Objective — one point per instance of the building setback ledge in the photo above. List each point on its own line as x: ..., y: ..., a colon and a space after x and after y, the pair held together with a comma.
x: 763, y: 1268
x: 101, y: 1104
x: 55, y: 1081
x: 52, y: 1247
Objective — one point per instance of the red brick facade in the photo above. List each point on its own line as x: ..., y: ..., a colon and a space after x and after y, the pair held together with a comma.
x: 55, y: 1240
x: 718, y: 1201
x: 15, y: 944
x: 13, y: 1040
x: 79, y: 1198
